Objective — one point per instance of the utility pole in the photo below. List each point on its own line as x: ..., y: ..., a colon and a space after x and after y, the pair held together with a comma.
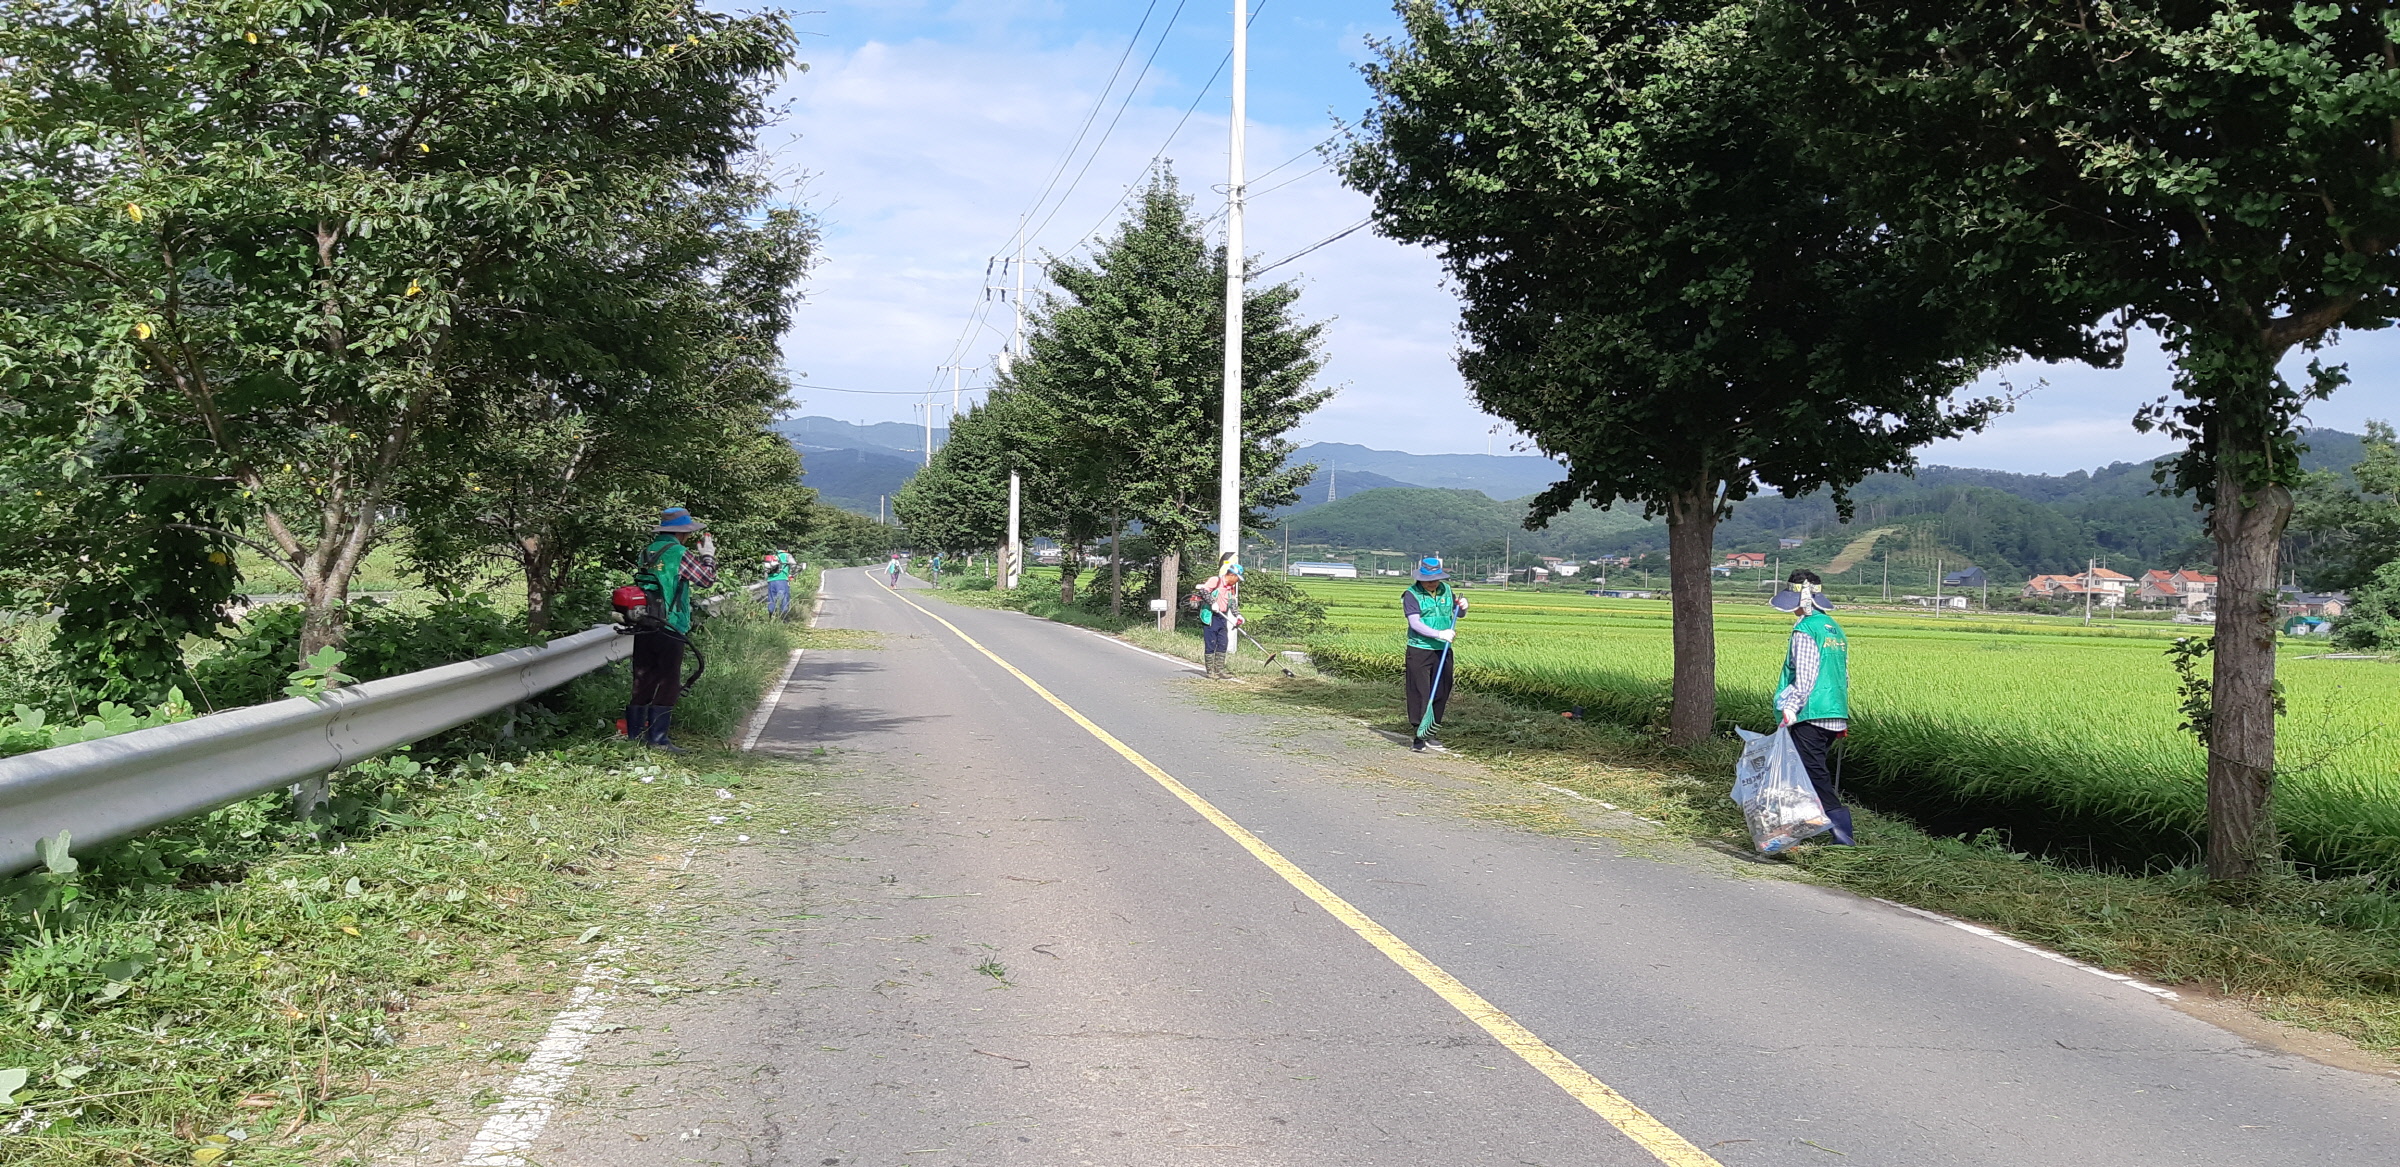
x: 1937, y: 584
x: 1333, y: 483
x: 2090, y: 568
x: 954, y: 371
x: 879, y: 510
x: 1229, y: 469
x: 1015, y: 566
x: 1887, y: 577
x: 1508, y: 557
x: 928, y: 407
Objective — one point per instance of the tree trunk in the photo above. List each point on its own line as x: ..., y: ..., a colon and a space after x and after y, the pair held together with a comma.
x: 1070, y: 565
x: 1116, y: 566
x: 2241, y: 750
x: 1691, y: 539
x: 1170, y: 565
x: 537, y: 592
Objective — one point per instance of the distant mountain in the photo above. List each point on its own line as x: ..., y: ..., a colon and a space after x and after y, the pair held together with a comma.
x: 1424, y: 521
x: 1496, y: 475
x: 851, y: 465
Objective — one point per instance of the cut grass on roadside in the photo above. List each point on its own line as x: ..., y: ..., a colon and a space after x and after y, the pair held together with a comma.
x: 284, y: 1000
x: 2323, y: 955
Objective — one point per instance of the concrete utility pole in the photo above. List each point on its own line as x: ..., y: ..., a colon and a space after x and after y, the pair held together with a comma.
x: 928, y: 407
x: 1229, y: 470
x: 1016, y: 546
x: 1937, y: 584
x: 2091, y: 567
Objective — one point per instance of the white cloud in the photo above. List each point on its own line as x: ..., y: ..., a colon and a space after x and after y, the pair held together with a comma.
x: 921, y: 152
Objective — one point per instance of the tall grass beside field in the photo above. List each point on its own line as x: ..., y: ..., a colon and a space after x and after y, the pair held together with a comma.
x: 2064, y: 739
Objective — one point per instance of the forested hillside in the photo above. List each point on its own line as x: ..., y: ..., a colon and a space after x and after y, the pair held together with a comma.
x: 2012, y: 525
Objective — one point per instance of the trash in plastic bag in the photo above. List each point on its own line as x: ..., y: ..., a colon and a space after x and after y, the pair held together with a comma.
x: 1773, y: 790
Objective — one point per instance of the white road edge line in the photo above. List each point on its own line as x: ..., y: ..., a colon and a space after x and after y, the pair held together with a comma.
x: 532, y: 1095
x: 766, y: 705
x: 1173, y: 660
x: 2044, y: 953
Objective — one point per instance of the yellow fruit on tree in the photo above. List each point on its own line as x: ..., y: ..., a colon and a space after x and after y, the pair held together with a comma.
x: 142, y: 330
x: 133, y: 211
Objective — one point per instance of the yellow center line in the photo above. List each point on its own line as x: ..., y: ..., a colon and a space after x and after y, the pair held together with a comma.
x: 1650, y: 1134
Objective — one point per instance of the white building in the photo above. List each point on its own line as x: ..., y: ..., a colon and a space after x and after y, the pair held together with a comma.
x: 1326, y: 570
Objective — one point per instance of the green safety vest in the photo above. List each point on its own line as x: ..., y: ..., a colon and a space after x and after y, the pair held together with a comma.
x: 782, y: 568
x: 661, y: 575
x: 1438, y: 610
x: 1831, y: 696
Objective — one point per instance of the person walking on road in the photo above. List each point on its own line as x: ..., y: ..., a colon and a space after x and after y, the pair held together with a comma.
x: 1433, y: 609
x: 1220, y: 614
x: 1814, y: 696
x: 891, y: 572
x: 667, y: 574
x: 779, y: 583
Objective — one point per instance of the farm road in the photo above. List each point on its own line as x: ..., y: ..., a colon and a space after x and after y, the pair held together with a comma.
x: 1170, y: 999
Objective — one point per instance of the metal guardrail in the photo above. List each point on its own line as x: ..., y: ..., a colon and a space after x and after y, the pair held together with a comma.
x: 113, y: 787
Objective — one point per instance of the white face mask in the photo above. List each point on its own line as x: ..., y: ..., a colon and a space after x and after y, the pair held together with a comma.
x: 1808, y: 598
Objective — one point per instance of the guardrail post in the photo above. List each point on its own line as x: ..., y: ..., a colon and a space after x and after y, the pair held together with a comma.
x: 310, y: 795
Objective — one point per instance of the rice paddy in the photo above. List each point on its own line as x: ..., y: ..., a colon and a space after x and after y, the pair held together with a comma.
x: 2063, y: 737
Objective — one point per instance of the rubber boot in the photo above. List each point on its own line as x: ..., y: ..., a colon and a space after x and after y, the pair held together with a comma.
x: 662, y: 716
x: 637, y: 724
x: 1216, y: 666
x: 1841, y: 826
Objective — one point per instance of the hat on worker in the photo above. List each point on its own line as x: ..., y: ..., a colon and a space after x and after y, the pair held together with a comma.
x: 1792, y: 598
x: 677, y: 521
x: 1430, y: 569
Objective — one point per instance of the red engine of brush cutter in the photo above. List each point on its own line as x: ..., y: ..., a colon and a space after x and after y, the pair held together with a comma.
x: 631, y: 603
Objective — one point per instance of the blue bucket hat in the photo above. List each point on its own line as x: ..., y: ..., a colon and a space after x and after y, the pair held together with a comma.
x: 677, y: 521
x: 1430, y: 569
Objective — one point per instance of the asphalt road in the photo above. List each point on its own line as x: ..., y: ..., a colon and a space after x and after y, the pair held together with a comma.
x: 1040, y: 955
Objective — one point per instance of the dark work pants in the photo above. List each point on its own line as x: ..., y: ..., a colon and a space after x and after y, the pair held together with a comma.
x: 657, y: 669
x: 1815, y: 744
x: 1217, y: 635
x: 1423, y: 686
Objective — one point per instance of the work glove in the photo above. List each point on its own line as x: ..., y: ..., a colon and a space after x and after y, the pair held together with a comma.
x: 708, y: 545
x: 1446, y: 634
x: 1790, y: 717
x: 1237, y: 621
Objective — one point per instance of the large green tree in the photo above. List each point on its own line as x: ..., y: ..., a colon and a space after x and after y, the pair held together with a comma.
x: 1127, y: 357
x: 269, y: 225
x: 637, y: 374
x: 2229, y: 168
x: 1659, y: 288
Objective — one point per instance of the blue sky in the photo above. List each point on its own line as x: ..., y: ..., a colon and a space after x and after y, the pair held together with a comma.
x: 924, y: 129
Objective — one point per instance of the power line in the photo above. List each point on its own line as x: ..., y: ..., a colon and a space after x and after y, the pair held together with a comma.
x: 1349, y: 230
x: 1122, y: 104
x: 1289, y: 181
x: 1205, y: 88
x: 1336, y: 136
x: 1098, y: 104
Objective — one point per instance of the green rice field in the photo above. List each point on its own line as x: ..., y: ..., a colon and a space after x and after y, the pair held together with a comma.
x: 2062, y: 736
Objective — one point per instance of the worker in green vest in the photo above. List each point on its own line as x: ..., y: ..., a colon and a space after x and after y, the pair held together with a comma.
x: 779, y: 582
x: 1433, y: 609
x: 1814, y: 696
x: 667, y: 573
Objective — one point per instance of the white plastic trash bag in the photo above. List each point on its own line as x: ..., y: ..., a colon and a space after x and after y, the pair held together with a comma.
x: 1774, y: 792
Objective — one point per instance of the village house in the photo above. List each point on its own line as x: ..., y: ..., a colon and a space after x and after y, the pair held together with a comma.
x: 1739, y: 560
x: 2076, y: 589
x: 2291, y: 601
x: 2189, y: 590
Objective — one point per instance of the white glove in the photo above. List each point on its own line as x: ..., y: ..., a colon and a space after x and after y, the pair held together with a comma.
x: 1446, y: 634
x: 708, y: 545
x: 1790, y: 717
x: 1237, y: 621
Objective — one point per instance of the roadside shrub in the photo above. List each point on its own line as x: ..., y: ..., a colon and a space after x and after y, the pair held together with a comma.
x: 382, y: 641
x: 2372, y: 622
